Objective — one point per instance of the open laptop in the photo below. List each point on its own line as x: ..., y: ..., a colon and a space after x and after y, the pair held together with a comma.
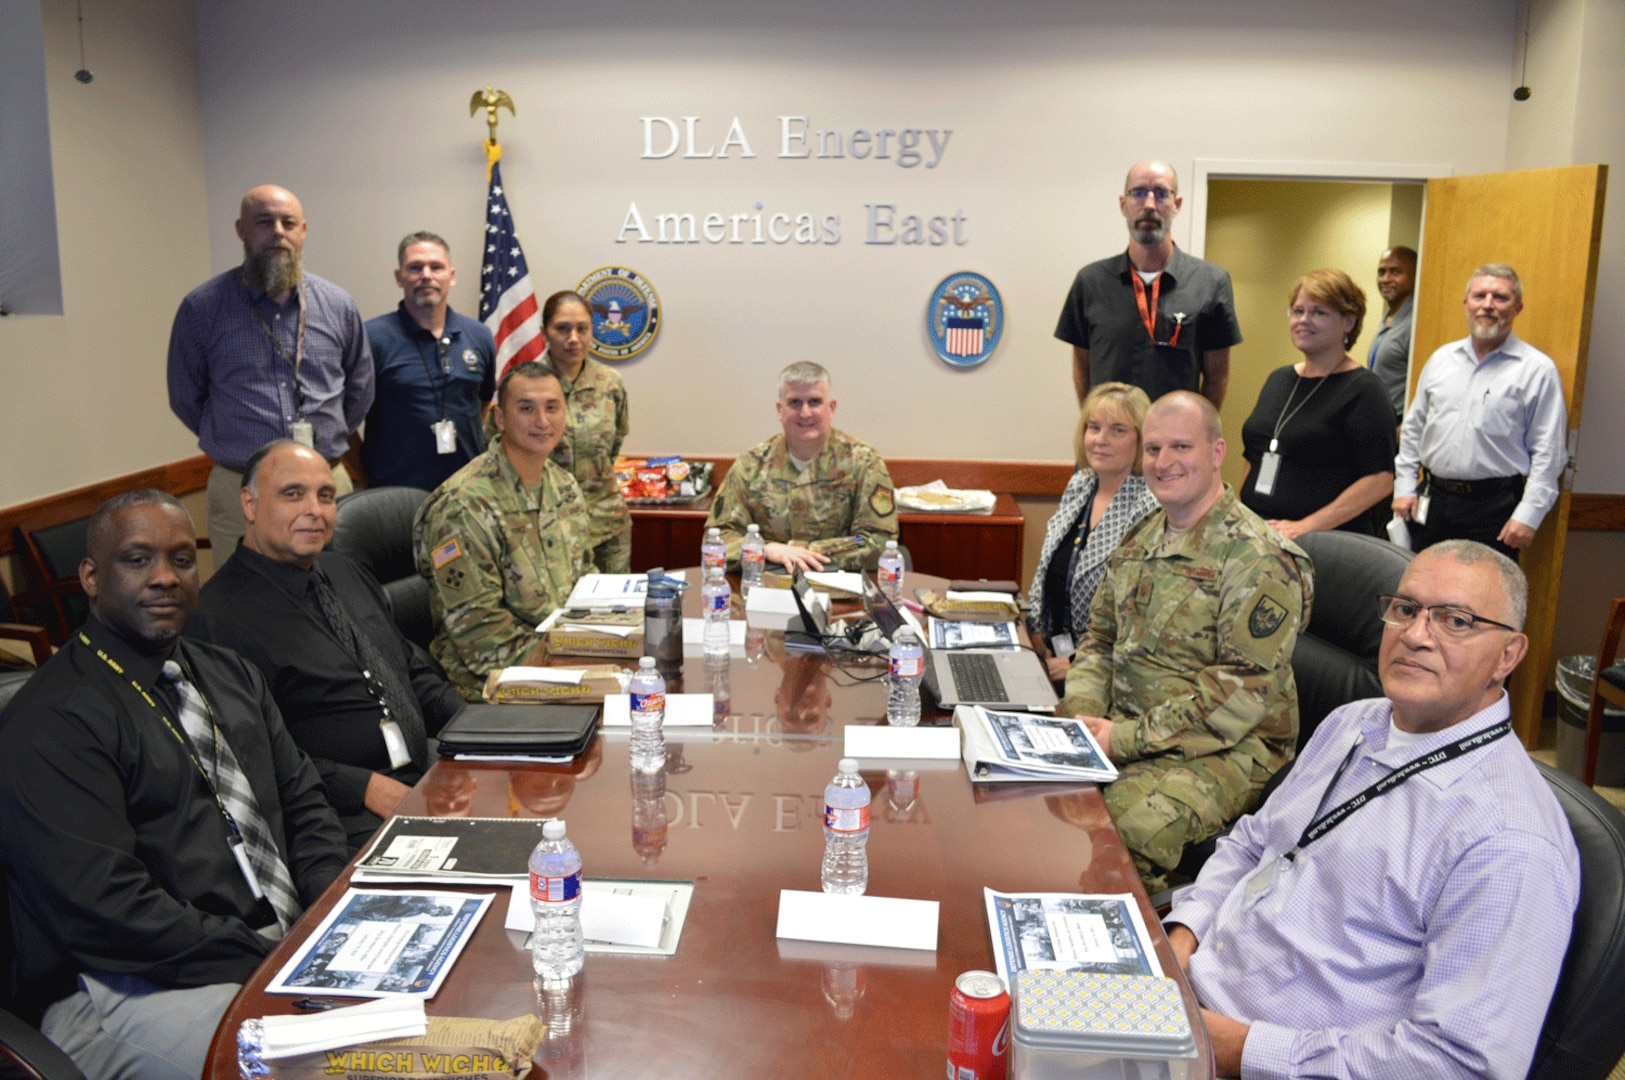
x: 995, y: 678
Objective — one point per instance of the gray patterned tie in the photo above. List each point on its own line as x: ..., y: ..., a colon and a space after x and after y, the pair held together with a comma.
x: 232, y: 784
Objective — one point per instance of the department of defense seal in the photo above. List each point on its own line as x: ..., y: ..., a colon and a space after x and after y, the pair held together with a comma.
x: 965, y: 319
x: 625, y: 312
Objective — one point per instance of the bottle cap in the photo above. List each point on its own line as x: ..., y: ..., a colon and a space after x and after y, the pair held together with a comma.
x: 848, y: 765
x: 891, y: 545
x: 753, y: 528
x: 713, y: 533
x: 553, y: 829
x: 646, y: 662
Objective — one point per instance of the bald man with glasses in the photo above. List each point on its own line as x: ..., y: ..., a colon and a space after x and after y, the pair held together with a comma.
x: 1152, y: 317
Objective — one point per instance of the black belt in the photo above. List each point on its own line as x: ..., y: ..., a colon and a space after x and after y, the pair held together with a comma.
x: 1494, y: 485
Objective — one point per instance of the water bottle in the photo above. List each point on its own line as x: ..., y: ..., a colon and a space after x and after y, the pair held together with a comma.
x: 713, y: 552
x: 555, y: 901
x: 714, y: 599
x: 719, y: 681
x: 903, y: 680
x: 846, y: 831
x: 648, y: 706
x: 890, y: 572
x: 752, y: 560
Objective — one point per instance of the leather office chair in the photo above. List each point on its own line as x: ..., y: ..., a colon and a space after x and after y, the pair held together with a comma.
x: 1607, y: 689
x: 1583, y: 1038
x: 51, y: 545
x: 38, y: 641
x: 374, y: 527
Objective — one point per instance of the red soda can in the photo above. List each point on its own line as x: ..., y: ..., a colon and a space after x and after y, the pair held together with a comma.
x: 978, y: 1027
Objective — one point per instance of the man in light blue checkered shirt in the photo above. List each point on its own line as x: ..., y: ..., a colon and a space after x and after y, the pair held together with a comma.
x: 1420, y: 933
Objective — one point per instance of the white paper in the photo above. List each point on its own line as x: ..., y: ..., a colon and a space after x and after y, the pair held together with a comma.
x: 863, y: 741
x: 567, y: 676
x: 1098, y: 933
x: 600, y: 628
x: 682, y: 710
x: 386, y: 1018
x: 1399, y: 533
x: 613, y: 590
x: 982, y: 597
x: 694, y: 632
x: 611, y: 917
x: 770, y: 601
x: 847, y: 581
x: 858, y: 920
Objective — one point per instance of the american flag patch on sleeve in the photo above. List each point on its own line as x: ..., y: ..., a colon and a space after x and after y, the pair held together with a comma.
x: 448, y: 552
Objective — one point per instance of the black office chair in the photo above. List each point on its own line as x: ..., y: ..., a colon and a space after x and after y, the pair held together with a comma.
x: 374, y: 527
x: 51, y: 546
x: 1583, y: 1038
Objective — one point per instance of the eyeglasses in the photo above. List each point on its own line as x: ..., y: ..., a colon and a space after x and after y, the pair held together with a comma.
x: 1318, y: 314
x: 1140, y: 194
x: 1447, y: 621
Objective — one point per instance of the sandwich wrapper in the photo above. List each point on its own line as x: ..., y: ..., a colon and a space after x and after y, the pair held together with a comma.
x: 390, y: 1036
x: 532, y: 685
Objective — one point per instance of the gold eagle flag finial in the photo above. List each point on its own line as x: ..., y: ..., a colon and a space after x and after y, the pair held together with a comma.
x: 491, y: 100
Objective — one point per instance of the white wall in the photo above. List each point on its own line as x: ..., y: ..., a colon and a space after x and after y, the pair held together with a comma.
x: 360, y: 108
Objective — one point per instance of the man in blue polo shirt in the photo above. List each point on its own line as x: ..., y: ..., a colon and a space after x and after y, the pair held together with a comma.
x: 435, y: 370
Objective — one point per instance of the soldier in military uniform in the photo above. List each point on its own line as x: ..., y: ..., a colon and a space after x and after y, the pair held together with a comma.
x: 595, y: 398
x: 819, y: 496
x: 505, y: 539
x: 1185, y: 674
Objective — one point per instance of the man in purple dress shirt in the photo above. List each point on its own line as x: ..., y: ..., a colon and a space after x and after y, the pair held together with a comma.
x: 266, y: 351
x: 1421, y: 932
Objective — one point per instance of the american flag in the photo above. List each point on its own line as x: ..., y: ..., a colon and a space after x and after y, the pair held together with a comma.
x: 965, y: 336
x: 507, y: 300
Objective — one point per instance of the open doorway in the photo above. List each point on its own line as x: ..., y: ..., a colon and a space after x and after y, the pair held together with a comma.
x: 1267, y: 233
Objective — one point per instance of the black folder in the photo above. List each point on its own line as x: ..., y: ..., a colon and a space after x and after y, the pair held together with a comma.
x: 552, y: 730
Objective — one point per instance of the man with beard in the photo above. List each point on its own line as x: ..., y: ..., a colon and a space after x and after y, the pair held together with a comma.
x: 266, y: 351
x: 435, y: 370
x: 1487, y: 426
x: 1390, y: 357
x: 1153, y: 317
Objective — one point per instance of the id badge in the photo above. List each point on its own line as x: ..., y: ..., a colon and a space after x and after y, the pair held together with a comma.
x: 445, y: 436
x: 1420, y: 516
x: 239, y: 851
x: 1268, y: 466
x: 399, y: 755
x: 1062, y: 645
x: 1261, y: 882
x: 300, y: 431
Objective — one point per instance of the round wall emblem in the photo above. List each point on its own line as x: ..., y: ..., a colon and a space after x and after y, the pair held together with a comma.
x: 625, y: 312
x: 965, y: 319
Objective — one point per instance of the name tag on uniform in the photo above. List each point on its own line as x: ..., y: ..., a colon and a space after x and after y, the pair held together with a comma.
x: 1268, y: 466
x: 445, y: 436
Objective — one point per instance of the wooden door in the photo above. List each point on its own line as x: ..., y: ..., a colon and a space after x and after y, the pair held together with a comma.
x: 1547, y: 225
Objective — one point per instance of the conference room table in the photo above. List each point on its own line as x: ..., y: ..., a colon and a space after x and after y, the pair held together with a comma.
x: 738, y: 811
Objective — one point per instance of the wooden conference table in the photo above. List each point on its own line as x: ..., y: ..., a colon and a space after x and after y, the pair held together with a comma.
x: 738, y: 811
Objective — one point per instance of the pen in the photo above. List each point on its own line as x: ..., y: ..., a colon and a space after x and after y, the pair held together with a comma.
x: 318, y: 1004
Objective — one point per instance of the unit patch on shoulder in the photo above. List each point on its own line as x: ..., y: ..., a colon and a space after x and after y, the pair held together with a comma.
x: 1265, y: 618
x: 448, y: 552
x: 881, y: 501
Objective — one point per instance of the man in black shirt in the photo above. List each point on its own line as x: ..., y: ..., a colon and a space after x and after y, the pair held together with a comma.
x: 1153, y: 317
x: 358, y: 697
x: 158, y: 828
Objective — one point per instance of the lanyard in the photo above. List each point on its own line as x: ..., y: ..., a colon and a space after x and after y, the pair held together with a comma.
x: 1325, y: 823
x: 281, y: 350
x: 186, y: 744
x: 1282, y: 417
x: 437, y: 386
x: 1148, y: 313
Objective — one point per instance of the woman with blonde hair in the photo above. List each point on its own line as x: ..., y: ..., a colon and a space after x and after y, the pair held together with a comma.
x: 1104, y: 499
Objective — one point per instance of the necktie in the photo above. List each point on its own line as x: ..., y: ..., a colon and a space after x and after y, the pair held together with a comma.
x: 231, y: 783
x: 399, y: 704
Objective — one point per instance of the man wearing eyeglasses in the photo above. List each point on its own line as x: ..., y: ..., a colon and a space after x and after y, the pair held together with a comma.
x: 1401, y: 905
x: 1153, y: 317
x: 1487, y: 428
x: 435, y: 371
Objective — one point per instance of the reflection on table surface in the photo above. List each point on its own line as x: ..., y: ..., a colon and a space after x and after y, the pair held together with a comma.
x: 738, y: 810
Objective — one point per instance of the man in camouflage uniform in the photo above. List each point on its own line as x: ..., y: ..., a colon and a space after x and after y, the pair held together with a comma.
x: 1185, y: 673
x: 504, y: 540
x: 818, y: 495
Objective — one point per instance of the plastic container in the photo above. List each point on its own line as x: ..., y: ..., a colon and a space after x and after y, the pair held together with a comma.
x: 846, y: 831
x: 648, y: 708
x: 1574, y: 677
x: 890, y: 572
x: 556, y: 948
x: 715, y: 597
x: 907, y: 668
x: 663, y: 623
x: 713, y: 552
x: 752, y: 560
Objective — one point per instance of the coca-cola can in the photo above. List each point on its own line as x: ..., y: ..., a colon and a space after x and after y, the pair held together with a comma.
x: 978, y: 1027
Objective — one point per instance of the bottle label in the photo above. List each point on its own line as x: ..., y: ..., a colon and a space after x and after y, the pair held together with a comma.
x: 555, y: 890
x: 891, y: 575
x: 847, y: 821
x: 649, y: 703
x: 907, y: 667
x: 753, y: 559
x: 717, y: 602
x: 717, y: 559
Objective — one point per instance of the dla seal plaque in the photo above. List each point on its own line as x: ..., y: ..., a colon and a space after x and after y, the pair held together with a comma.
x: 625, y: 312
x: 965, y: 319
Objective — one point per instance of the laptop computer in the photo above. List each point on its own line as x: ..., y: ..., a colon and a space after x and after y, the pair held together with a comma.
x: 994, y: 678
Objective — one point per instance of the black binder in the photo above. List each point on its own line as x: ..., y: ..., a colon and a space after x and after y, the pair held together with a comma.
x: 551, y: 730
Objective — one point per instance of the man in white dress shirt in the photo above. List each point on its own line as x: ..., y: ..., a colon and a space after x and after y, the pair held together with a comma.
x: 1488, y: 425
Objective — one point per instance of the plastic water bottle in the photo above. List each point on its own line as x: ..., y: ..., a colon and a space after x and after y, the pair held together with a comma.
x: 648, y: 692
x: 890, y: 572
x: 846, y: 831
x: 556, y: 948
x: 903, y: 680
x: 752, y: 560
x: 713, y: 552
x: 714, y: 600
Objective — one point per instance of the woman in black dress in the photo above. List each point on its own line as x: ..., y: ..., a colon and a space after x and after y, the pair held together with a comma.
x: 1320, y: 442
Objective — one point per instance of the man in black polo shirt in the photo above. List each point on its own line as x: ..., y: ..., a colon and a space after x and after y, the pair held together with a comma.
x: 1153, y: 317
x: 358, y: 697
